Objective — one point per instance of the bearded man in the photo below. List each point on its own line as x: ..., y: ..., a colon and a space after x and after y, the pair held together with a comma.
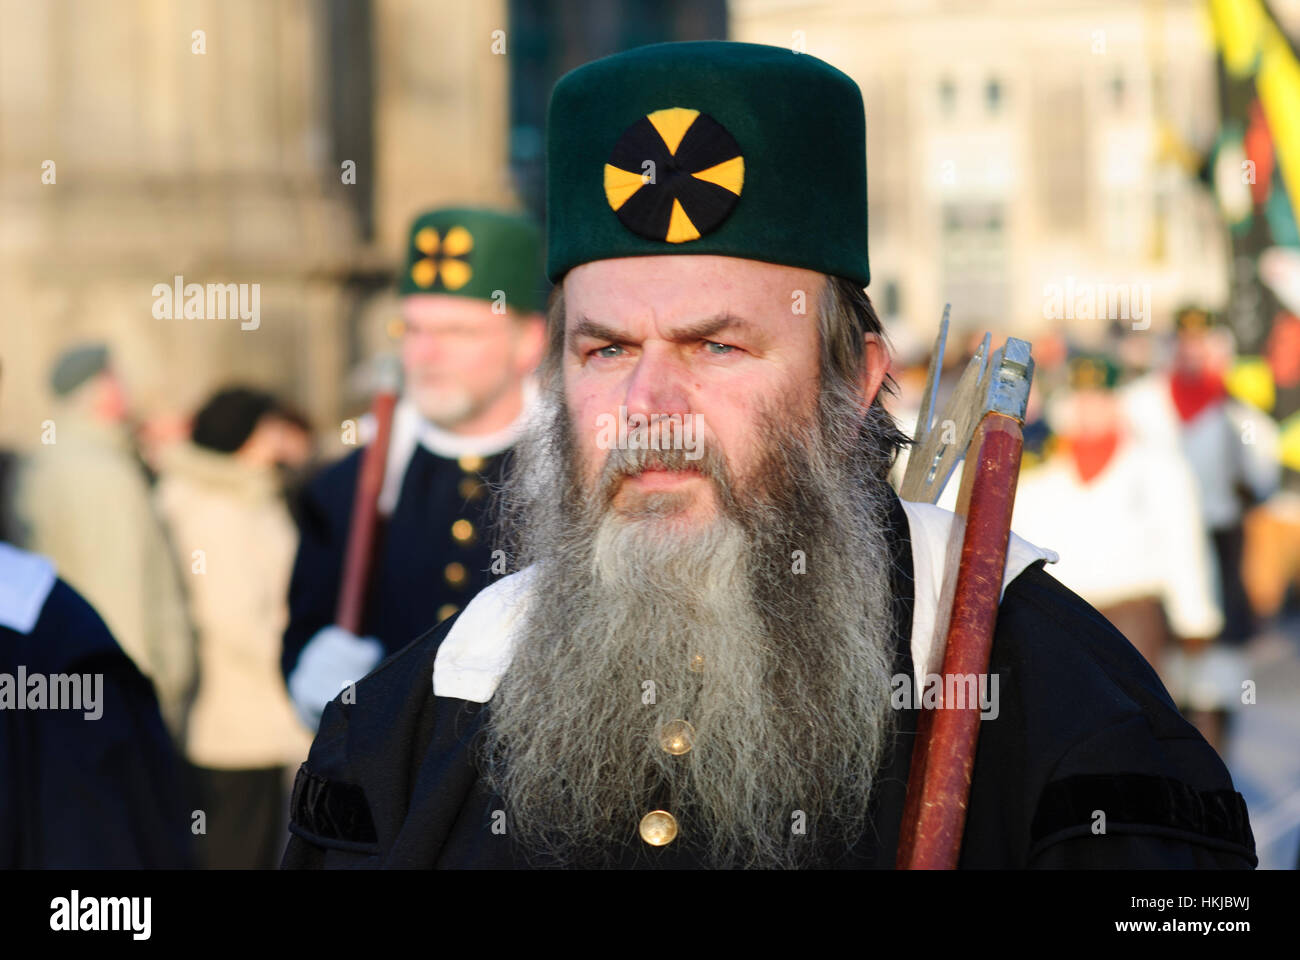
x: 471, y: 337
x: 707, y: 655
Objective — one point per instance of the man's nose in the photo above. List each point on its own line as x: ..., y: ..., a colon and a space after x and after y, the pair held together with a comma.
x: 659, y: 383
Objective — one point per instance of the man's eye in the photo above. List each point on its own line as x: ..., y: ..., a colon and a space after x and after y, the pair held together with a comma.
x: 722, y: 348
x: 602, y: 351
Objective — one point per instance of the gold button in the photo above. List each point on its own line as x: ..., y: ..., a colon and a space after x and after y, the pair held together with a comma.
x: 455, y: 574
x: 658, y: 828
x: 677, y: 737
x: 470, y: 489
x: 471, y: 463
x: 446, y: 610
x: 462, y: 531
x: 697, y: 663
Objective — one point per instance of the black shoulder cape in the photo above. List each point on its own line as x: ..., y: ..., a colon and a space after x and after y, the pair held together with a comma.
x: 87, y: 791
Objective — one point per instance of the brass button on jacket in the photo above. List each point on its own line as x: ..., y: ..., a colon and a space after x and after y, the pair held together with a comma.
x: 677, y: 737
x: 462, y: 531
x: 455, y: 574
x: 658, y: 828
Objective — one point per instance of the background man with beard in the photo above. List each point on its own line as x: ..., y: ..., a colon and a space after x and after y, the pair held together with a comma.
x: 471, y: 337
x: 693, y: 665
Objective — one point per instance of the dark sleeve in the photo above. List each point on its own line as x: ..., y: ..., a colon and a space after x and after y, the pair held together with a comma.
x: 1128, y: 799
x: 330, y: 821
x: 97, y: 787
x: 1115, y: 776
x: 1129, y: 851
x: 351, y: 797
x: 324, y: 509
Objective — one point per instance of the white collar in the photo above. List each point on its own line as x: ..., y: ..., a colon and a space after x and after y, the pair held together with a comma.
x: 444, y: 443
x: 26, y: 580
x: 411, y: 430
x: 477, y: 650
x: 930, y: 527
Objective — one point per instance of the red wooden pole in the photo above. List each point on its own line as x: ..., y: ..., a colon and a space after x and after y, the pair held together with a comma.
x: 943, y: 758
x: 365, y: 513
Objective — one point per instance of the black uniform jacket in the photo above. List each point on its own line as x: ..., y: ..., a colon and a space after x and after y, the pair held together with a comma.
x: 1084, y: 725
x: 78, y: 790
x: 423, y: 571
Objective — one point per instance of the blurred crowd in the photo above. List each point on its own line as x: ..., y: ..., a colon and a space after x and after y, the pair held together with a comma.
x: 180, y: 534
x: 1165, y: 470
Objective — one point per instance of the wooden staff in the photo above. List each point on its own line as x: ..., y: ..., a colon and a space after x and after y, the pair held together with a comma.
x: 365, y: 506
x: 943, y: 757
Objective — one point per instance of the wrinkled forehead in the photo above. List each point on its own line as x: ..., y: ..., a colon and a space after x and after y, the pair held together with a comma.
x: 658, y: 291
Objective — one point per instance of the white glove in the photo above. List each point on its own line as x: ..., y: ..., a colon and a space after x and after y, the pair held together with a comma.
x: 332, y: 659
x: 1209, y: 679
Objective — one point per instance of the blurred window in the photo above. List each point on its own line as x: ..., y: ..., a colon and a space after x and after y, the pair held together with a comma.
x: 993, y: 95
x: 975, y: 261
x: 947, y: 96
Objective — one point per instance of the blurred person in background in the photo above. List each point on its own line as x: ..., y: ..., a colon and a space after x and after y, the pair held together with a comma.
x: 221, y: 496
x: 1271, y: 384
x: 297, y: 457
x: 471, y: 337
x: 156, y: 434
x: 1229, y: 446
x: 83, y: 500
x: 1126, y: 518
x: 91, y: 783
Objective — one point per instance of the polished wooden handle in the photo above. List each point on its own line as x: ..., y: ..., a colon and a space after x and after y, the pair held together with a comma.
x: 365, y: 514
x: 943, y: 756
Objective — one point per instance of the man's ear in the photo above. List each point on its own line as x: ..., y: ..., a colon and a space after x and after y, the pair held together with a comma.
x: 875, y: 364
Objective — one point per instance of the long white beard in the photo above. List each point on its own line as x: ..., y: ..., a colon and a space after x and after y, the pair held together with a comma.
x: 783, y: 675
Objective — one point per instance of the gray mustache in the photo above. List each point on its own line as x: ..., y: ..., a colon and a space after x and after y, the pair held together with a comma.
x: 621, y: 463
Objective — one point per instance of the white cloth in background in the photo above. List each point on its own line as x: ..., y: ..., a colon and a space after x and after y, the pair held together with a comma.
x: 1134, y: 531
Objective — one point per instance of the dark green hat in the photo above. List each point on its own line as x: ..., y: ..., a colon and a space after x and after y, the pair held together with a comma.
x: 1093, y: 371
x: 1192, y: 319
x: 474, y: 253
x: 77, y: 365
x: 734, y: 149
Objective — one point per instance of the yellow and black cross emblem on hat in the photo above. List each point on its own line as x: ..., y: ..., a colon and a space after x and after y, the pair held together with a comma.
x: 1192, y: 320
x: 674, y: 175
x: 441, y: 260
x: 1092, y: 373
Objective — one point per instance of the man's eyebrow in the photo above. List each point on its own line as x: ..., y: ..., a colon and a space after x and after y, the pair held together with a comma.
x: 703, y: 330
x: 586, y: 327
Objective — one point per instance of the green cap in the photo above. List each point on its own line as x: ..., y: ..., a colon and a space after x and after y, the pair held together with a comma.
x: 77, y: 365
x: 1092, y: 371
x: 735, y: 149
x: 483, y: 254
x: 1193, y: 319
